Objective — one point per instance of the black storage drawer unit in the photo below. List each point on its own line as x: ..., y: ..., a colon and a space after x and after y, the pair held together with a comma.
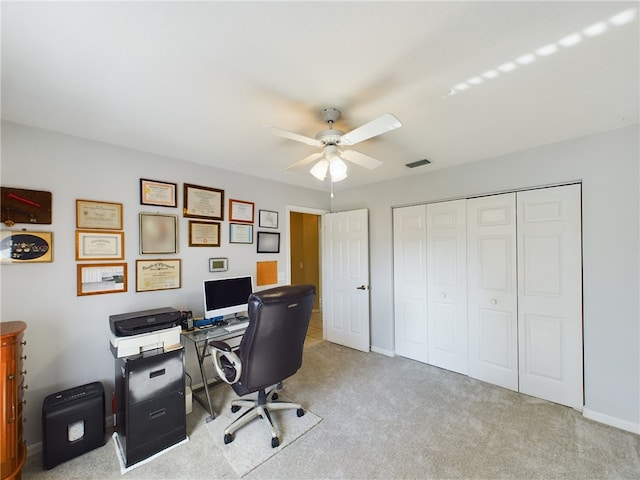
x: 150, y: 403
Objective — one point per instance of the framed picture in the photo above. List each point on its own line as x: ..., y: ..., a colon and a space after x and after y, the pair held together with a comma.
x: 20, y: 205
x: 268, y: 242
x: 203, y: 202
x: 99, y: 245
x: 267, y: 219
x: 162, y: 194
x: 158, y: 233
x: 240, y: 233
x: 98, y: 215
x: 240, y: 211
x: 99, y: 278
x: 218, y: 264
x: 158, y: 274
x: 204, y: 234
x: 26, y: 247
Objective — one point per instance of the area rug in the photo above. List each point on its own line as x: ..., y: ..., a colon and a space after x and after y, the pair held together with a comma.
x: 251, y: 445
x: 121, y: 457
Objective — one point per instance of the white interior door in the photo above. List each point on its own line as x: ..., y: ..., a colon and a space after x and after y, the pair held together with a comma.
x: 410, y: 281
x: 550, y: 294
x: 346, y: 278
x: 447, y: 285
x: 492, y: 298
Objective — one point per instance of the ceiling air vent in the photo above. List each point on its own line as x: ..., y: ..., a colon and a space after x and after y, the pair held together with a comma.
x: 417, y: 163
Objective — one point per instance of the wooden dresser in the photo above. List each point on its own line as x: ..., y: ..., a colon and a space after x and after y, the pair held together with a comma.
x: 13, y: 450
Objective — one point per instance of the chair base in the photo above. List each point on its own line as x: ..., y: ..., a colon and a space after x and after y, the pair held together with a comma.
x: 261, y: 407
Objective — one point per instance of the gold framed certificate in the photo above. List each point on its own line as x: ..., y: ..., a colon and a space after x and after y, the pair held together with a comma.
x: 158, y: 274
x: 98, y: 215
x: 99, y: 245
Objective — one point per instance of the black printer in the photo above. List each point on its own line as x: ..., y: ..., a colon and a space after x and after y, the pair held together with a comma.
x: 144, y: 321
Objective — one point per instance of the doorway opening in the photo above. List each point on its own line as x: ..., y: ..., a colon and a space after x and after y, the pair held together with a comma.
x: 305, y: 262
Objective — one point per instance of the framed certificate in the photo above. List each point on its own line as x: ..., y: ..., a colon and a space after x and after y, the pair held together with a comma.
x: 203, y: 202
x: 159, y: 274
x: 240, y: 233
x: 240, y: 211
x: 98, y: 215
x: 267, y: 219
x: 99, y: 245
x: 204, y: 234
x: 154, y: 192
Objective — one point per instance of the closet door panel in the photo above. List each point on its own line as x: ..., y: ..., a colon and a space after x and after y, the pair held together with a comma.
x: 410, y: 281
x: 492, y: 298
x: 550, y: 294
x: 447, y: 285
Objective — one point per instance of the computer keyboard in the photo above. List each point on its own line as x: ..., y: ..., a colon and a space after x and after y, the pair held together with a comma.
x: 236, y: 326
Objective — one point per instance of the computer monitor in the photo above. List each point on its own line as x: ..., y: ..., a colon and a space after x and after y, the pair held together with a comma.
x: 226, y: 296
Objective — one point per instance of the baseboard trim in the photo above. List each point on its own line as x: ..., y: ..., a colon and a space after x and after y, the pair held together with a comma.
x: 611, y: 421
x: 388, y: 353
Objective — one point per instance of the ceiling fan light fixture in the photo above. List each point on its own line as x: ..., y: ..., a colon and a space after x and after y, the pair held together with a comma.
x: 337, y: 169
x: 319, y: 170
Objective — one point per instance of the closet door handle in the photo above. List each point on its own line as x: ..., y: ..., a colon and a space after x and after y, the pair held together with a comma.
x: 362, y: 287
x: 493, y: 301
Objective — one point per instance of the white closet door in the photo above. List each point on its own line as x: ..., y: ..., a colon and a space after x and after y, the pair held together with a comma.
x: 550, y: 294
x: 447, y: 285
x: 410, y: 281
x: 492, y: 299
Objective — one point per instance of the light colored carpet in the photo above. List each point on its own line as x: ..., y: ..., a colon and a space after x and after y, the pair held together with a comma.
x: 392, y: 418
x: 252, y: 443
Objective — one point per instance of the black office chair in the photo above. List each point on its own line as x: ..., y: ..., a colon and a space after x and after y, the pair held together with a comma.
x: 270, y: 351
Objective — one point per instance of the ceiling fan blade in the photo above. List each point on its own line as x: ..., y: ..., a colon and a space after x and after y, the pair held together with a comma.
x: 305, y: 161
x: 360, y: 159
x: 380, y: 125
x: 293, y: 136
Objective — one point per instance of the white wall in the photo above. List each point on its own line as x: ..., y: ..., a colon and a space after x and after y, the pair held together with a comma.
x: 68, y: 336
x: 607, y: 165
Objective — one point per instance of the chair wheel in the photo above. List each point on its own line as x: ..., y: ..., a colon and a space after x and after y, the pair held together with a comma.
x: 275, y: 442
x: 274, y: 396
x: 228, y: 438
x: 300, y: 412
x: 234, y: 408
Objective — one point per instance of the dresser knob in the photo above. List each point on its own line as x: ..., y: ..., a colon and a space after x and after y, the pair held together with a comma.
x: 24, y: 402
x: 23, y: 343
x: 11, y: 376
x: 24, y: 372
x: 25, y: 387
x: 24, y: 357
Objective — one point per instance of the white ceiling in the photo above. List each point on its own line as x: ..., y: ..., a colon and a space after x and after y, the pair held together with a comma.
x: 197, y: 80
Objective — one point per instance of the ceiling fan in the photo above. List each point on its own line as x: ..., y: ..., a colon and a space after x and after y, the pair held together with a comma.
x: 332, y: 141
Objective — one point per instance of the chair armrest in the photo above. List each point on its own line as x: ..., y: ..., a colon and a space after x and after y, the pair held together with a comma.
x: 219, y: 345
x: 227, y: 364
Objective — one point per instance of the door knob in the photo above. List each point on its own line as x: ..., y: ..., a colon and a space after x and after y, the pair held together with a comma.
x: 444, y: 295
x: 493, y: 301
x: 362, y: 287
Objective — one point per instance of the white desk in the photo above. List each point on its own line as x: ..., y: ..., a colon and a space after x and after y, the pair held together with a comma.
x: 200, y: 339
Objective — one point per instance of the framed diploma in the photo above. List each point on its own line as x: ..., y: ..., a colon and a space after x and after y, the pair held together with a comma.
x: 154, y: 192
x: 159, y: 274
x: 267, y: 219
x: 240, y: 211
x: 99, y: 278
x: 204, y: 234
x: 240, y: 233
x: 26, y: 247
x: 158, y: 233
x: 203, y: 202
x: 99, y: 245
x: 98, y: 215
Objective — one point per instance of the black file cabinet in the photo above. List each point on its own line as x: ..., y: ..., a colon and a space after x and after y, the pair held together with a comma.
x: 150, y: 403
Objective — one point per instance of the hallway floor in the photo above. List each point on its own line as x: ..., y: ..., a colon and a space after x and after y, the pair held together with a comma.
x: 314, y: 333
